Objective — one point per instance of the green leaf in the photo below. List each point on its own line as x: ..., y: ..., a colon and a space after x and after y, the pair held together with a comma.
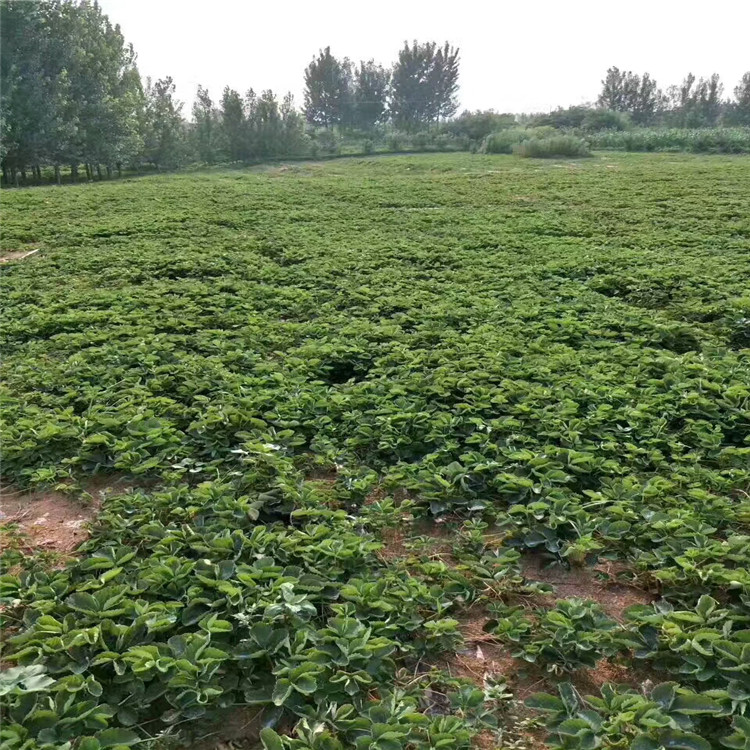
x: 117, y: 736
x: 282, y: 690
x: 544, y: 702
x: 305, y: 684
x: 674, y: 739
x: 83, y: 602
x: 664, y: 694
x: 706, y: 605
x: 693, y: 703
x: 573, y: 727
x: 271, y: 740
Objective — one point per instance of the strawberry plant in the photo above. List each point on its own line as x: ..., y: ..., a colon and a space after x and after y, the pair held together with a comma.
x: 574, y: 634
x: 343, y: 403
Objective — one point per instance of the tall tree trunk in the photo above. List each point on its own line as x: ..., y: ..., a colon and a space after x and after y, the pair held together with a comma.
x: 38, y: 174
x: 14, y: 172
x: 74, y: 173
x: 57, y: 174
x: 109, y: 172
x: 89, y: 173
x: 5, y: 175
x: 99, y: 172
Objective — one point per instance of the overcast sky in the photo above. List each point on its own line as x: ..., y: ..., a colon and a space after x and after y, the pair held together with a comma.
x: 515, y: 56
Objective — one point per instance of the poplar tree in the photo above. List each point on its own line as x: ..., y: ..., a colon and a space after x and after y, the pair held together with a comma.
x: 328, y: 90
x: 424, y: 84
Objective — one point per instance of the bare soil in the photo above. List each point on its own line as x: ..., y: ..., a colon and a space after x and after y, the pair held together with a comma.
x: 583, y: 583
x: 239, y: 728
x: 54, y: 521
x: 10, y: 255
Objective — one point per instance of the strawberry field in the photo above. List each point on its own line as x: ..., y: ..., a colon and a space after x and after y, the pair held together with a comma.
x: 421, y: 452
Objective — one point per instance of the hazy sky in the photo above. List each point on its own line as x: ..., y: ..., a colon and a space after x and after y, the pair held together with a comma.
x: 515, y: 56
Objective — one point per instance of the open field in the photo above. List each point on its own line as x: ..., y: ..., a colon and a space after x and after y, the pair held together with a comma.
x: 349, y: 412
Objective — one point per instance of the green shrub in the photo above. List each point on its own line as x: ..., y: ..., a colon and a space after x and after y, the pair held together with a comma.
x: 562, y: 118
x: 448, y: 142
x: 502, y: 141
x: 605, y: 119
x: 550, y: 148
x: 421, y: 141
x: 328, y: 142
x: 476, y: 126
x: 664, y: 716
x: 395, y: 143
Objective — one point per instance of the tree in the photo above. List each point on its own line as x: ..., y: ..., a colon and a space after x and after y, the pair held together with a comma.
x: 27, y: 104
x: 292, y: 127
x: 709, y: 94
x: 696, y: 103
x: 328, y: 90
x: 625, y: 91
x: 38, y: 108
x: 424, y: 84
x: 164, y: 126
x: 106, y: 95
x: 443, y: 80
x: 643, y: 98
x: 370, y: 95
x: 234, y: 125
x: 742, y: 100
x: 65, y: 101
x: 205, y: 127
x: 612, y: 95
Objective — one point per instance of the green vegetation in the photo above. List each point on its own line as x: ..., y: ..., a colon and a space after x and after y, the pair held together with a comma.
x: 539, y: 142
x: 666, y: 717
x: 551, y: 148
x: 551, y: 359
x: 708, y: 140
x: 503, y: 141
x: 545, y: 140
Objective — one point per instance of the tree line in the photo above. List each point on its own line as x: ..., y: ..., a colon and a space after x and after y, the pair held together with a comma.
x: 72, y: 96
x: 694, y: 103
x: 419, y: 90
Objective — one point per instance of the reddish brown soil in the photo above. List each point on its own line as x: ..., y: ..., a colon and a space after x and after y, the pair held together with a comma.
x: 238, y: 728
x: 377, y: 494
x: 54, y: 521
x: 393, y: 546
x: 614, y: 598
x: 589, y: 681
x: 322, y: 476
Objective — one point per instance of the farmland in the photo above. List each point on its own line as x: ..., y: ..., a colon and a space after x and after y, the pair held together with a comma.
x: 408, y: 442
